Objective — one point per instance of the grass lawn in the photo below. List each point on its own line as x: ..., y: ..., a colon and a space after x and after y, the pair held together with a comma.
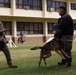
x: 27, y: 62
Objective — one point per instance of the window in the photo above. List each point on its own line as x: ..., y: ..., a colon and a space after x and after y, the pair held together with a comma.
x: 19, y: 4
x: 30, y: 27
x: 8, y: 27
x: 5, y: 3
x: 29, y: 4
x: 54, y: 4
x: 74, y: 26
x: 50, y: 28
x: 73, y: 6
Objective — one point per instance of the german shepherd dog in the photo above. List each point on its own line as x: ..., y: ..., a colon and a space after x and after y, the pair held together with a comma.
x: 46, y: 49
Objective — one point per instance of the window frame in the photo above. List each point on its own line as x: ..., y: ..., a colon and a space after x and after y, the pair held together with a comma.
x: 5, y: 23
x: 75, y: 26
x: 5, y: 4
x: 73, y: 6
x: 31, y: 6
x: 53, y: 5
x: 50, y: 31
x: 29, y: 30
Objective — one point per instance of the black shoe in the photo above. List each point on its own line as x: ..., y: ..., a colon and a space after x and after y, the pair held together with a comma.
x: 60, y: 63
x: 63, y: 62
x: 68, y: 61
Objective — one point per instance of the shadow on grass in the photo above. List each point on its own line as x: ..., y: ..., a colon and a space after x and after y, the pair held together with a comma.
x: 4, y: 68
x: 35, y: 70
x: 43, y: 70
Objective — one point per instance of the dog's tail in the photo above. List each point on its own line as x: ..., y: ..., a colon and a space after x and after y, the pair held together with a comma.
x: 36, y: 48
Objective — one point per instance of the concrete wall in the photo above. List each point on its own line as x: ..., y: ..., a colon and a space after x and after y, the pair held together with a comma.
x: 12, y: 14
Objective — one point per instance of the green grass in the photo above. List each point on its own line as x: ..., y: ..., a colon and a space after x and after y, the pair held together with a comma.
x: 27, y: 62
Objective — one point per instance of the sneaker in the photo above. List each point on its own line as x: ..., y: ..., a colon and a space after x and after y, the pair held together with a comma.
x: 12, y: 66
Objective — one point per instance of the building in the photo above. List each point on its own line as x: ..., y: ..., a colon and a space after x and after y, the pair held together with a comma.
x: 35, y: 18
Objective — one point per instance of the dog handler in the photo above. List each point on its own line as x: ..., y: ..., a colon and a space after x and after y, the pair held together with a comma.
x: 65, y: 27
x: 4, y: 48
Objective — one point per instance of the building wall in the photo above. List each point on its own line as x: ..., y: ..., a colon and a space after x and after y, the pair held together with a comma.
x: 22, y: 15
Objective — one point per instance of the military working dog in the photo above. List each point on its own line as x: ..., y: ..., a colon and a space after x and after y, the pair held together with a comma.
x: 53, y: 45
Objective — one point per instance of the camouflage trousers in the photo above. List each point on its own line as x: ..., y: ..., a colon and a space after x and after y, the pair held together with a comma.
x: 4, y: 49
x: 67, y: 45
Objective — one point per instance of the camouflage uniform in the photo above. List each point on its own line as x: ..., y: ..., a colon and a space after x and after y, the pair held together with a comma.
x: 3, y: 46
x: 65, y: 26
x: 67, y: 46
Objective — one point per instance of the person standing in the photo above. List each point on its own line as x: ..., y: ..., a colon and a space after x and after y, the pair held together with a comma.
x: 65, y: 28
x: 4, y: 48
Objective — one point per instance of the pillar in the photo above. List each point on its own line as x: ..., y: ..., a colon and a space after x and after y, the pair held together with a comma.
x: 13, y: 7
x: 45, y: 31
